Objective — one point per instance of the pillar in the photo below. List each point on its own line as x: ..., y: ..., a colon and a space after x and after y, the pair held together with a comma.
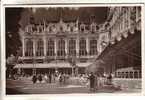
x: 87, y: 45
x: 66, y: 47
x: 23, y: 46
x: 55, y: 47
x: 77, y: 46
x: 34, y: 47
x: 45, y: 46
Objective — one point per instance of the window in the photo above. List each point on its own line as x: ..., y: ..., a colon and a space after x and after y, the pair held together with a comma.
x: 29, y: 28
x: 40, y: 48
x: 82, y: 47
x: 93, y: 47
x: 61, y: 48
x: 29, y: 48
x: 82, y: 28
x: 61, y: 28
x: 40, y: 28
x: 72, y: 47
x: 93, y: 28
x: 50, y: 48
x: 50, y: 29
x: 71, y: 29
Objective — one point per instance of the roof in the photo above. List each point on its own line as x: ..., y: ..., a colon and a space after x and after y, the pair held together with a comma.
x: 82, y: 14
x: 117, y: 46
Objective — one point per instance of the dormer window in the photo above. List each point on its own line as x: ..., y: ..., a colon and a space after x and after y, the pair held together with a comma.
x: 82, y: 28
x: 97, y: 27
x: 93, y: 27
x: 71, y: 29
x: 61, y: 28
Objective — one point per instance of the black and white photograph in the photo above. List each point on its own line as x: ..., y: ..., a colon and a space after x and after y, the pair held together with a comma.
x: 73, y: 50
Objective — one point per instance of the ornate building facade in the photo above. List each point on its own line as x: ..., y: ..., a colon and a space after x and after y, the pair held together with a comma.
x: 61, y: 45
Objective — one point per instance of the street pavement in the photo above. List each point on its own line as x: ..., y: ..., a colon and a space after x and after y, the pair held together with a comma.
x: 25, y: 86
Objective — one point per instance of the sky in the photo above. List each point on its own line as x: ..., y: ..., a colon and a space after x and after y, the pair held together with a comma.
x: 83, y: 14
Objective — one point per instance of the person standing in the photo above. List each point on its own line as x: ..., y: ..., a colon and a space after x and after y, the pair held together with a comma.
x: 40, y: 78
x: 34, y: 79
x: 92, y: 82
x: 96, y: 81
x: 46, y: 78
x: 60, y: 79
x: 110, y: 79
x: 49, y: 77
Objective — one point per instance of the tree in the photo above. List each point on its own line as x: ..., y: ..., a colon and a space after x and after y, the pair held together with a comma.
x: 13, y: 42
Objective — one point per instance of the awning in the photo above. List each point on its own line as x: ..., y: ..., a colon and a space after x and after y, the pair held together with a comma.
x: 51, y: 65
x: 84, y: 64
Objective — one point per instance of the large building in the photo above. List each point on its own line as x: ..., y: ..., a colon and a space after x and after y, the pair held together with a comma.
x: 122, y: 53
x: 65, y: 46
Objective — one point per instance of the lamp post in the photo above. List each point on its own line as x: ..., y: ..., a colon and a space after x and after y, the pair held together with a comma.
x: 34, y: 69
x: 74, y: 67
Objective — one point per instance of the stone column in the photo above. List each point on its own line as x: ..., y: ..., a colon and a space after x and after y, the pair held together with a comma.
x: 45, y: 46
x: 66, y: 47
x: 55, y: 46
x: 23, y: 47
x: 34, y: 47
x: 87, y: 45
x: 77, y: 46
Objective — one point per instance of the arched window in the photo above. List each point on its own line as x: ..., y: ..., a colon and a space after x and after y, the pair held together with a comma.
x: 29, y: 48
x: 61, y: 48
x: 93, y: 47
x: 72, y: 47
x: 82, y: 47
x: 40, y: 48
x: 50, y: 48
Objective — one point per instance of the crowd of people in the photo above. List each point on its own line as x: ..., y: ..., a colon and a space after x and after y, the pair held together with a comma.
x: 94, y: 81
x: 51, y: 78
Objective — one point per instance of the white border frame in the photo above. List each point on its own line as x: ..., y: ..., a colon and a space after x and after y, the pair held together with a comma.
x: 58, y: 96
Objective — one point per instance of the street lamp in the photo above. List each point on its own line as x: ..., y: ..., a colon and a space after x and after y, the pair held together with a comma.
x: 34, y: 69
